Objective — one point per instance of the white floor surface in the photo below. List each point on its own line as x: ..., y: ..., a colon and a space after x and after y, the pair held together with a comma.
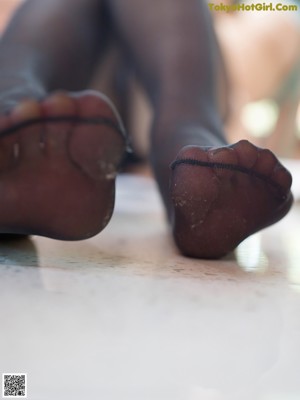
x: 123, y: 316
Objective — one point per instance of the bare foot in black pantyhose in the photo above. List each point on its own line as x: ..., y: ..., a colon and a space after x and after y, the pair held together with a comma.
x: 222, y: 195
x: 58, y: 163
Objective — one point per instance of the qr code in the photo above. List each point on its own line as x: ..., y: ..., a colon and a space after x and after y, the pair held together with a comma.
x: 14, y: 386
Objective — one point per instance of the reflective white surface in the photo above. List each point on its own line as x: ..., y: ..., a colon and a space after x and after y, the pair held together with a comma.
x: 124, y: 316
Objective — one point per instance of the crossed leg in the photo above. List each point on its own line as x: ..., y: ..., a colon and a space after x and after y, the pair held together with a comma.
x: 219, y: 194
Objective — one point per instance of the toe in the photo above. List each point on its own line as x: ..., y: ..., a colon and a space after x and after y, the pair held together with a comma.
x: 246, y: 153
x: 191, y: 155
x: 29, y: 136
x: 224, y: 159
x: 94, y: 104
x: 186, y: 174
x: 282, y: 177
x: 265, y: 163
x: 96, y: 146
x: 56, y: 133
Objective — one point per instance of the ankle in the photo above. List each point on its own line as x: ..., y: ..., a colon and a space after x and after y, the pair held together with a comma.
x: 167, y: 141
